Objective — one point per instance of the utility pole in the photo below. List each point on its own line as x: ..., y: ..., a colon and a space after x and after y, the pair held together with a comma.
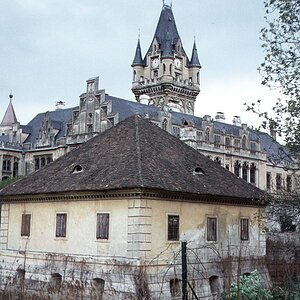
x: 184, y: 271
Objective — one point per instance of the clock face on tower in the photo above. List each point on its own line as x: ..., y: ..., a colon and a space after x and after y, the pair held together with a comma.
x: 177, y: 63
x: 154, y: 63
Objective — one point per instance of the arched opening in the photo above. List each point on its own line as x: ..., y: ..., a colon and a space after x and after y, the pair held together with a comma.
x: 170, y: 68
x: 134, y: 76
x: 253, y: 173
x: 165, y: 124
x: 15, y: 169
x: 206, y: 137
x: 98, y: 285
x: 164, y: 68
x: 198, y: 77
x: 175, y: 287
x: 214, y: 285
x: 56, y: 281
x: 245, y: 171
x: 244, y: 143
x: 237, y: 166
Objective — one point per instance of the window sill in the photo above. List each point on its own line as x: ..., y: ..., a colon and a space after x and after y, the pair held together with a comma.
x: 60, y: 238
x: 102, y: 241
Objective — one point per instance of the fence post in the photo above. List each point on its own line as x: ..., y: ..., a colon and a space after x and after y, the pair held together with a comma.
x: 184, y: 271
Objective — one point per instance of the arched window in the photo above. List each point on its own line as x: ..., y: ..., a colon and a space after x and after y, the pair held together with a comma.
x: 218, y: 160
x: 170, y: 69
x: 134, y: 75
x: 245, y: 171
x: 198, y: 77
x: 164, y: 68
x: 244, y: 143
x: 175, y: 287
x: 207, y: 133
x: 154, y: 48
x: 165, y: 124
x: 98, y: 285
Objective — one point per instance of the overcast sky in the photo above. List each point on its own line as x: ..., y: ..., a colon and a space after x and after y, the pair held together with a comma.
x: 49, y: 48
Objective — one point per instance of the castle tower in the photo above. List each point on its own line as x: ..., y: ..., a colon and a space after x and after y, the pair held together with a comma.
x: 165, y: 75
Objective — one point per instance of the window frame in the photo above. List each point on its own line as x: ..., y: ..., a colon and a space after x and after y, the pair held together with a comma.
x: 64, y: 233
x: 106, y: 236
x: 25, y: 229
x: 211, y: 237
x: 171, y: 237
x: 244, y: 233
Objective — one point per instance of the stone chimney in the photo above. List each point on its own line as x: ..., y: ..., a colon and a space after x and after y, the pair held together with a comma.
x: 60, y: 105
x: 220, y: 116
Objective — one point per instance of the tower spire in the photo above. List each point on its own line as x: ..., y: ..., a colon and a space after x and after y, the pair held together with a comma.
x: 10, y: 116
x: 138, y: 60
x: 195, y: 59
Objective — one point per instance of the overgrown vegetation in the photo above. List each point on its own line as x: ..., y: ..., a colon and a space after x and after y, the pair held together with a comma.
x: 249, y: 287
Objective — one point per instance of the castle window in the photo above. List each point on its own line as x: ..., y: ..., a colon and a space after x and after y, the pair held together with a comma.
x: 237, y: 167
x: 269, y: 179
x: 165, y: 124
x: 218, y: 160
x: 36, y: 164
x: 237, y: 145
x: 198, y: 77
x: 164, y: 68
x: 61, y: 225
x: 244, y: 223
x: 43, y: 162
x: 155, y: 48
x: 217, y: 141
x: 173, y: 228
x: 278, y: 182
x: 155, y: 73
x: 175, y: 287
x: 207, y: 133
x: 227, y: 143
x: 25, y: 225
x: 212, y: 229
x: 253, y: 148
x: 6, y: 165
x: 170, y: 69
x: 134, y: 75
x: 245, y: 171
x: 253, y: 173
x: 199, y: 137
x: 102, y: 230
x: 244, y: 141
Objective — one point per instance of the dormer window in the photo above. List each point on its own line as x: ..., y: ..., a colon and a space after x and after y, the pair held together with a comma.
x: 198, y: 170
x: 77, y: 169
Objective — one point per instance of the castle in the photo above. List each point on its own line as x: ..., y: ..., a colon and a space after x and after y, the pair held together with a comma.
x: 166, y: 83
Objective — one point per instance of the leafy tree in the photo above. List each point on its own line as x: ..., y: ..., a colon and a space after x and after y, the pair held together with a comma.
x: 248, y: 288
x: 281, y: 67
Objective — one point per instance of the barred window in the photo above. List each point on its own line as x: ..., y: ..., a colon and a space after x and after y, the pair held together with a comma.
x: 173, y: 228
x: 102, y: 230
x: 244, y: 229
x: 212, y: 229
x: 61, y: 225
x: 217, y: 141
x: 25, y: 226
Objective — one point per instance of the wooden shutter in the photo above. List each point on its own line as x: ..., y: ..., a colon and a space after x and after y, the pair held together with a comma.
x: 244, y: 229
x: 102, y: 230
x: 212, y: 229
x: 25, y: 226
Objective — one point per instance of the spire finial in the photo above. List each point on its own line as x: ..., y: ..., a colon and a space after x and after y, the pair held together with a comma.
x: 11, y: 95
x: 139, y: 34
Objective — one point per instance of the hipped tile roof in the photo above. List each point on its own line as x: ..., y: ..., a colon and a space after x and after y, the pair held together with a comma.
x: 135, y: 154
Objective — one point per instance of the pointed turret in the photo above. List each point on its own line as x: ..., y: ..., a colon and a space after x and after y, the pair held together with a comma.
x: 194, y: 62
x: 9, y: 117
x: 138, y: 60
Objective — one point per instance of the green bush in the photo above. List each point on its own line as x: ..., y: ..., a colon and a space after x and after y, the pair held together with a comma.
x: 249, y: 288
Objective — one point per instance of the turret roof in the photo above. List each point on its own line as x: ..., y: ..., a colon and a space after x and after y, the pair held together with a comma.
x: 194, y: 59
x: 138, y: 60
x: 10, y: 116
x: 166, y: 32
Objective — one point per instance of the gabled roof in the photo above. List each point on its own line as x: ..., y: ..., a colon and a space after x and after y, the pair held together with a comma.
x: 58, y: 119
x: 166, y: 32
x: 136, y: 154
x: 10, y: 116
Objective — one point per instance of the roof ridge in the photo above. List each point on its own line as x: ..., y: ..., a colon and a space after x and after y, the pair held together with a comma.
x: 138, y: 150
